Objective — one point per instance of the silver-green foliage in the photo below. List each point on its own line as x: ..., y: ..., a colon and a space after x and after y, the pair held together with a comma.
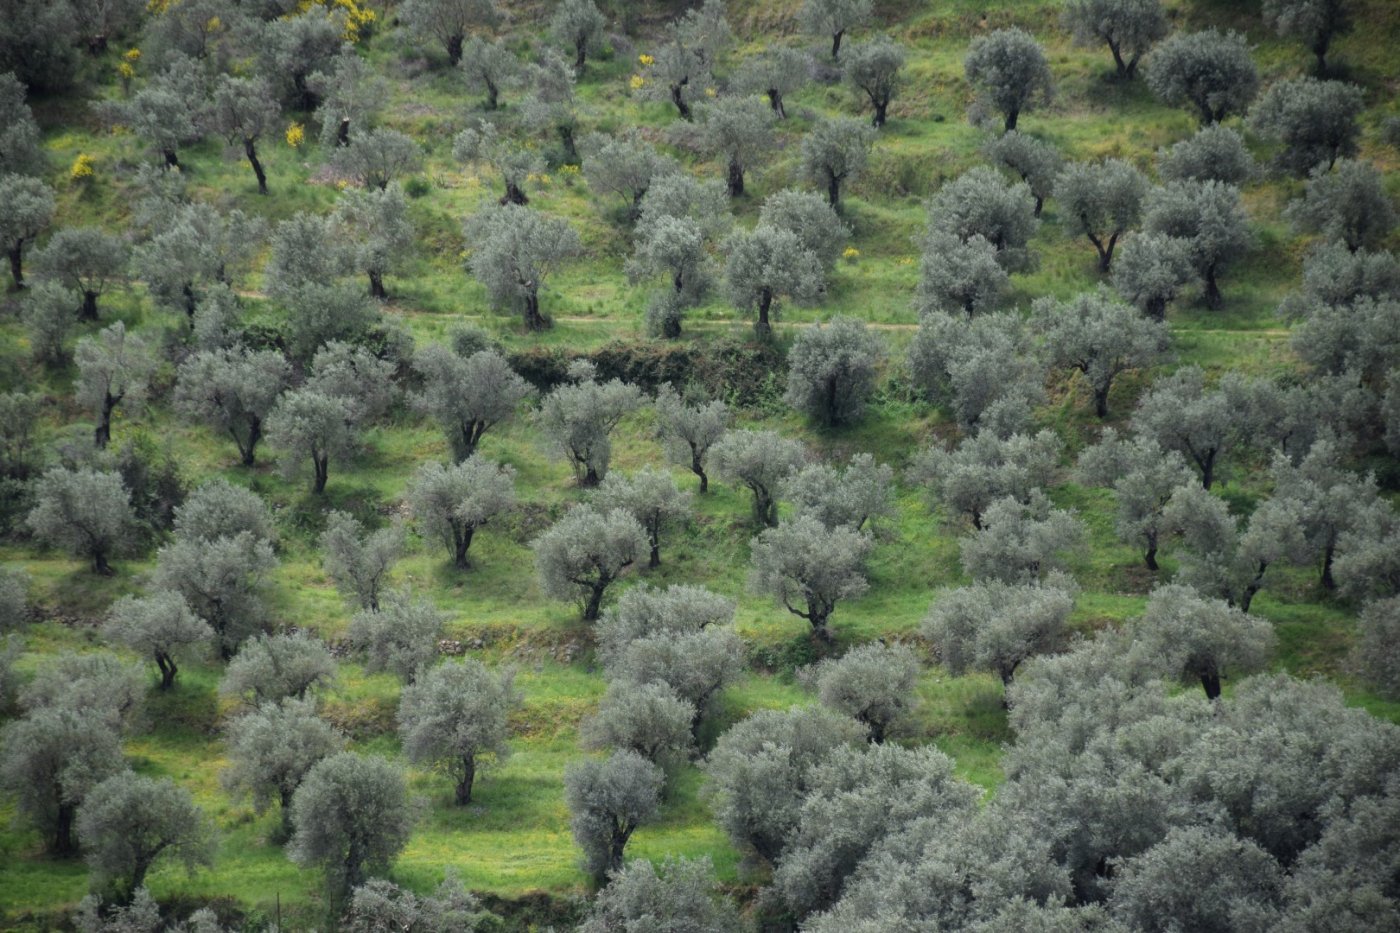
x: 775, y: 71
x: 834, y: 153
x: 1151, y: 270
x: 688, y: 429
x: 1348, y: 204
x: 113, y: 367
x: 647, y: 718
x: 981, y: 202
x: 401, y: 637
x: 379, y: 905
x: 221, y: 579
x: 608, y: 800
x: 834, y: 18
x: 1377, y: 651
x: 1144, y: 477
x: 1101, y: 338
x: 469, y: 395
x: 873, y: 67
x: 1021, y: 542
x: 233, y: 390
x: 1183, y: 634
x: 161, y: 627
x: 513, y: 251
x: 1009, y: 70
x: 452, y: 503
x: 1314, y: 120
x: 873, y: 683
x: 583, y: 554
x: 310, y: 425
x: 1101, y: 201
x: 831, y: 371
x: 680, y: 896
x: 1208, y: 70
x: 983, y: 468
x: 85, y: 512
x: 130, y: 823
x: 1128, y: 27
x: 1214, y: 153
x: 760, y: 460
x: 271, y: 749
x: 84, y: 260
x: 580, y: 25
x: 1315, y: 23
x: 98, y: 685
x: 957, y: 274
x: 810, y: 568
x: 218, y: 509
x: 766, y: 265
x: 21, y: 153
x: 651, y: 497
x: 995, y: 626
x: 455, y: 714
x: 359, y: 560
x: 857, y: 496
x: 271, y: 668
x: 985, y: 370
x: 579, y: 419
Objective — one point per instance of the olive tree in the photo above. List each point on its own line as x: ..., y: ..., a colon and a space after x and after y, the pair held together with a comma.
x: 996, y: 626
x: 401, y: 637
x: 1314, y: 120
x: 452, y: 503
x: 84, y: 260
x: 689, y: 429
x: 292, y: 48
x: 646, y: 718
x: 681, y: 895
x: 767, y: 264
x: 26, y: 209
x: 382, y: 905
x: 551, y: 106
x: 375, y: 224
x: 1348, y: 204
x: 359, y: 561
x: 1208, y: 215
x: 806, y: 214
x: 130, y: 823
x: 1101, y: 338
x: 85, y: 512
x: 872, y: 683
x: 1204, y: 425
x: 1187, y: 635
x: 351, y: 817
x: 47, y: 312
x: 243, y: 110
x: 1151, y: 271
x: 1101, y: 201
x: 760, y: 460
x: 271, y: 668
x: 736, y: 130
x: 449, y: 21
x: 513, y: 251
x: 624, y: 165
x: 221, y: 579
x: 112, y: 368
x: 50, y: 760
x: 980, y: 202
x: 968, y: 478
x: 1144, y: 477
x: 469, y: 395
x: 873, y: 68
x: 958, y: 275
x: 834, y: 18
x: 651, y: 497
x: 1208, y: 70
x: 579, y: 24
x: 1331, y: 500
x: 810, y: 568
x: 352, y: 96
x: 985, y: 371
x: 309, y: 424
x: 645, y: 611
x: 166, y: 112
x: 776, y: 72
x: 831, y: 371
x: 1378, y: 641
x: 271, y: 749
x: 160, y: 626
x: 455, y: 714
x: 1009, y: 70
x: 856, y: 496
x: 21, y: 152
x: 97, y: 684
x: 584, y: 553
x: 512, y: 161
x: 489, y: 67
x: 1315, y: 23
x: 1128, y: 27
x: 834, y: 153
x: 1034, y: 161
x: 377, y: 157
x: 1022, y: 542
x: 673, y: 247
x: 608, y: 799
x: 686, y: 62
x: 1213, y: 153
x: 218, y: 509
x: 233, y: 390
x: 579, y: 418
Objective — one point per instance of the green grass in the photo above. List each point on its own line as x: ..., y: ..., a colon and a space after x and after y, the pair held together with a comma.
x: 513, y: 841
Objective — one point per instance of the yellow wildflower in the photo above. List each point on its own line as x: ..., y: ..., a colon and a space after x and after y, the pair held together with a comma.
x: 637, y: 82
x: 646, y: 60
x: 296, y: 135
x: 82, y: 168
x: 132, y: 55
x: 850, y: 253
x: 711, y: 92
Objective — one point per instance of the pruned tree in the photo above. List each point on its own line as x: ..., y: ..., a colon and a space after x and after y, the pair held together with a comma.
x: 375, y: 225
x: 608, y: 800
x: 624, y: 165
x: 579, y: 418
x: 1314, y: 120
x: 1348, y: 204
x: 685, y: 64
x: 454, y: 715
x: 985, y: 371
x: 873, y: 68
x: 218, y: 509
x: 161, y: 627
x: 1214, y: 153
x: 351, y: 817
x: 872, y: 683
x: 1022, y: 542
x: 1128, y: 27
x: 26, y: 209
x: 1209, y: 216
x: 130, y: 823
x: 449, y: 22
x: 682, y: 893
x: 1204, y: 425
x: 580, y: 25
x: 271, y: 668
x: 1101, y: 338
x: 810, y: 568
x: 761, y: 460
x: 453, y: 503
x: 1034, y: 161
x: 467, y: 396
x: 767, y: 264
x: 221, y: 579
x: 1151, y: 271
x: 358, y: 560
x: 272, y: 748
x: 1315, y: 23
x: 996, y: 626
x: 513, y: 251
x: 777, y: 72
x: 651, y: 497
x: 1009, y: 70
x: 233, y: 390
x: 984, y: 468
x: 85, y: 512
x: 489, y: 67
x: 580, y: 556
x: 806, y: 214
x: 21, y: 153
x: 834, y: 18
x: 834, y: 153
x: 1144, y: 477
x: 1101, y: 201
x: 113, y: 368
x: 857, y: 496
x: 980, y: 202
x: 84, y: 260
x: 689, y: 429
x: 736, y: 130
x: 1208, y: 70
x: 352, y: 96
x: 831, y: 371
x: 1188, y: 636
x: 377, y: 157
x: 401, y: 637
x: 646, y: 718
x: 243, y: 110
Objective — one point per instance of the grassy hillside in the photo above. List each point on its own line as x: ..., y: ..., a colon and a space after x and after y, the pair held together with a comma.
x: 513, y: 842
